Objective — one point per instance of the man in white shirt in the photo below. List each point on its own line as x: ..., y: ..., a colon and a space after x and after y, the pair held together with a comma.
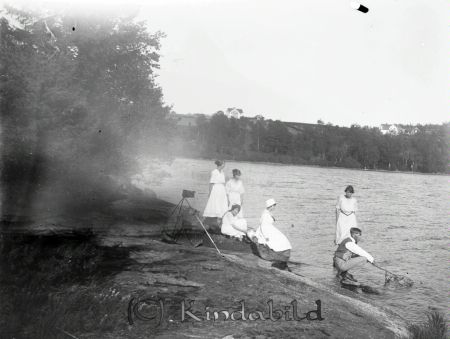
x: 344, y: 257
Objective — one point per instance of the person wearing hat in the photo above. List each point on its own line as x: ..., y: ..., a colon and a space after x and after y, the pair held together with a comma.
x: 232, y: 225
x: 268, y: 234
x: 346, y: 208
x: 350, y: 255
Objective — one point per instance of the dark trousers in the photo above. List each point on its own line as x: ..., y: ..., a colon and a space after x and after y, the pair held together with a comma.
x: 346, y: 265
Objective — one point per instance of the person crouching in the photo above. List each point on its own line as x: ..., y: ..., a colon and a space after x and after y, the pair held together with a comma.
x: 232, y: 225
x: 345, y: 259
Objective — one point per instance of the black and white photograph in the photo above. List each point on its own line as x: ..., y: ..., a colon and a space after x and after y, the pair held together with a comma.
x: 227, y: 169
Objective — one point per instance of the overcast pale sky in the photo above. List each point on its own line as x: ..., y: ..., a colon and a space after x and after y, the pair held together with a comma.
x: 303, y: 60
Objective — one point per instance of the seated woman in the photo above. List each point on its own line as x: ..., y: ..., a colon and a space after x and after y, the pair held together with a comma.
x: 267, y: 233
x: 232, y: 225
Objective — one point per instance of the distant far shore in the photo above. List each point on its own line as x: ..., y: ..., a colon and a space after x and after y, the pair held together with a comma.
x: 311, y: 166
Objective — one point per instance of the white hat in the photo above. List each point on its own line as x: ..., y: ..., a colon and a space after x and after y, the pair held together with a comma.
x: 270, y: 203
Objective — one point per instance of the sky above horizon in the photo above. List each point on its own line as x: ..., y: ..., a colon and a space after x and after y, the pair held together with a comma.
x: 301, y: 60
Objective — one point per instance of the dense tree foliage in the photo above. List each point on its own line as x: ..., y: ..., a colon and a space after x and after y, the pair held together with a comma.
x: 76, y: 97
x: 426, y: 150
x: 78, y: 101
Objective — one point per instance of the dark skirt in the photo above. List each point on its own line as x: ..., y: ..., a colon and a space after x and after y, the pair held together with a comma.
x: 266, y: 253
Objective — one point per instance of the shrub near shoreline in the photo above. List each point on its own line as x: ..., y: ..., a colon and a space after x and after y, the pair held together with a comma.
x: 434, y: 328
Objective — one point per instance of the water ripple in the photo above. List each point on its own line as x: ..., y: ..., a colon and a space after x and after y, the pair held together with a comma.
x: 404, y: 218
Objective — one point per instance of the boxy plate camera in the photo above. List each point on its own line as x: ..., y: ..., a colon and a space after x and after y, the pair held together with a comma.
x: 188, y: 194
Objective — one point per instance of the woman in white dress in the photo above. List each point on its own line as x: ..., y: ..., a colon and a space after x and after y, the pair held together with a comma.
x: 235, y: 190
x: 267, y: 233
x: 346, y: 208
x: 217, y: 204
x: 232, y: 225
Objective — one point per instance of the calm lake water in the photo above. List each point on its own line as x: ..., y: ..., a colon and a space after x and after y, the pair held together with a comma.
x: 404, y: 219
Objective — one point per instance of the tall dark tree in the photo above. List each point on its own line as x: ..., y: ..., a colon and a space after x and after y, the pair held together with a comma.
x: 258, y: 131
x: 81, y: 99
x: 277, y: 138
x: 217, y: 135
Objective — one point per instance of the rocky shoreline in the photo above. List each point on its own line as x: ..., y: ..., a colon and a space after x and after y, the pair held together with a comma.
x: 157, y: 290
x: 177, y: 274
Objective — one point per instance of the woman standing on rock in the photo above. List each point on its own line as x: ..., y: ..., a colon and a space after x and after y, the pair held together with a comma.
x: 217, y: 204
x: 235, y: 190
x: 346, y: 208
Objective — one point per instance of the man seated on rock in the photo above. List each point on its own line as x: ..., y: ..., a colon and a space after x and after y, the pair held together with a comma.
x: 349, y: 255
x: 232, y: 225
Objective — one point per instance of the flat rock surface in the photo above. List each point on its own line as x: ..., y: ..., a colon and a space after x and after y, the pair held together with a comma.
x: 176, y: 274
x: 147, y: 292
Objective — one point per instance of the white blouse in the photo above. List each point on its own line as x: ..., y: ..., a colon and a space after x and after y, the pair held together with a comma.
x: 217, y: 177
x: 234, y: 190
x: 228, y: 221
x: 347, y: 205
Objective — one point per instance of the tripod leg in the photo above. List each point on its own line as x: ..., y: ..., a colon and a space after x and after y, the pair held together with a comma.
x: 175, y: 208
x: 167, y: 230
x: 190, y: 206
x: 177, y: 231
x: 195, y: 239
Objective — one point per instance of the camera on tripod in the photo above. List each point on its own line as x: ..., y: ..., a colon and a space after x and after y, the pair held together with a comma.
x: 172, y: 231
x: 188, y: 194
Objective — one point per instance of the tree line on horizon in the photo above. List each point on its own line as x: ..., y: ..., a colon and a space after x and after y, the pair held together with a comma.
x: 79, y: 103
x: 250, y: 139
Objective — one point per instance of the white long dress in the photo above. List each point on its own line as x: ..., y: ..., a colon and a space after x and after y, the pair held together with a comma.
x: 234, y: 190
x: 217, y: 204
x: 346, y: 208
x: 233, y: 226
x: 277, y: 241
